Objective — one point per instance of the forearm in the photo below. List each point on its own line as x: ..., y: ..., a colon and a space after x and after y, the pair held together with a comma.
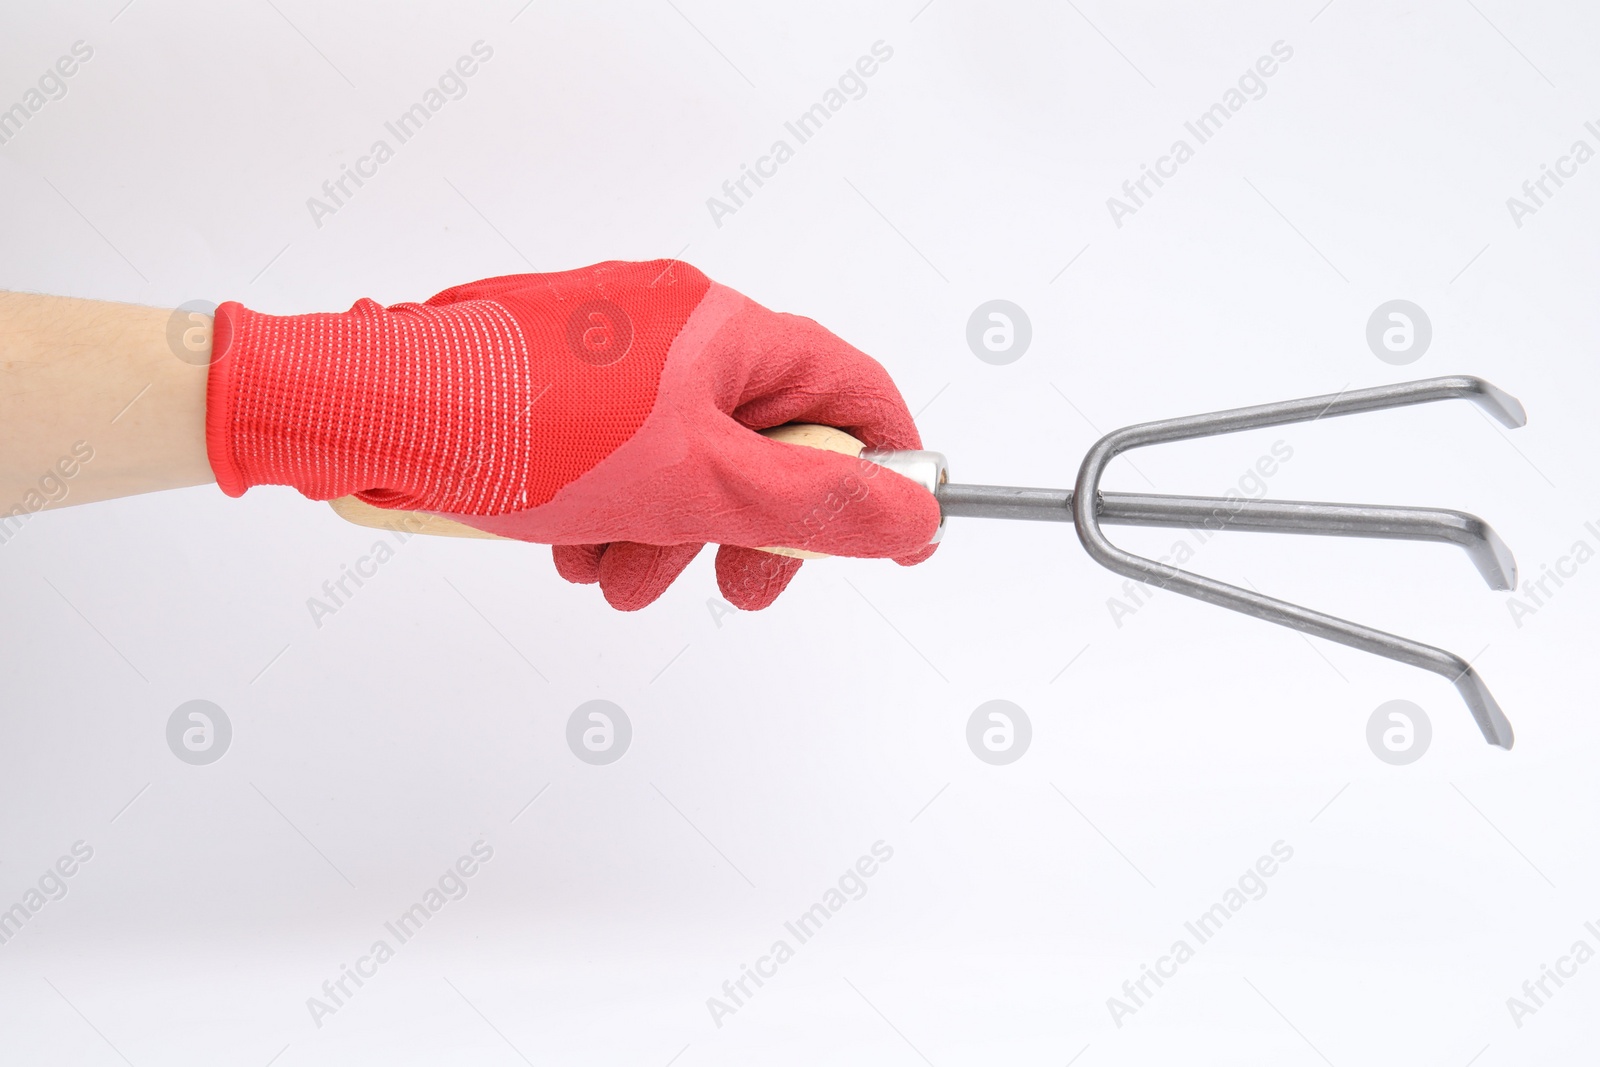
x: 94, y: 388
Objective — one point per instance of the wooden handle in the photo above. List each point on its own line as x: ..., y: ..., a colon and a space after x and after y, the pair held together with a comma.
x: 352, y: 509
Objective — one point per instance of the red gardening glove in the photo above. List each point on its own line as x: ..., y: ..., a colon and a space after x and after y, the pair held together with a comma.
x: 609, y: 411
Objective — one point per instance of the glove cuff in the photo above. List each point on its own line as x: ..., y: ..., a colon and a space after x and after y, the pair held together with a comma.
x: 220, y: 388
x: 485, y: 400
x: 407, y: 407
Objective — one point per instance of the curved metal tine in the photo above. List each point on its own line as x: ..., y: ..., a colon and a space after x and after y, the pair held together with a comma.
x: 1491, y: 720
x: 1483, y: 546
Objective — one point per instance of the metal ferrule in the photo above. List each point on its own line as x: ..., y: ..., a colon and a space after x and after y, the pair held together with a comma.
x: 927, y: 469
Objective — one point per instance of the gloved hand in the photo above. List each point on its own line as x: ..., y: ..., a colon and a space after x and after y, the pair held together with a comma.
x: 609, y: 411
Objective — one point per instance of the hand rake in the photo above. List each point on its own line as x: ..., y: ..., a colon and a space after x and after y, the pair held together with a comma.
x: 1087, y: 508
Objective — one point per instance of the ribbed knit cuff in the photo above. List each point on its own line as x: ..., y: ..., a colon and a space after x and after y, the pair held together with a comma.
x: 408, y: 406
x: 219, y: 395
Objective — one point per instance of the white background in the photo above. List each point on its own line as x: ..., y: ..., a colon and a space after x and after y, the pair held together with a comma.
x: 771, y: 750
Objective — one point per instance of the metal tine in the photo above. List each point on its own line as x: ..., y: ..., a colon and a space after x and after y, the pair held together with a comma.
x: 1483, y: 546
x: 1086, y: 519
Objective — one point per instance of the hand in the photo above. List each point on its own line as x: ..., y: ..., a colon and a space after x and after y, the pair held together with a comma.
x: 610, y: 412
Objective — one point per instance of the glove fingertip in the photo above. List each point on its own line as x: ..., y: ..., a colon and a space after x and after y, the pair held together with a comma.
x: 751, y: 579
x: 911, y: 559
x: 634, y: 575
x: 578, y: 564
x: 632, y: 599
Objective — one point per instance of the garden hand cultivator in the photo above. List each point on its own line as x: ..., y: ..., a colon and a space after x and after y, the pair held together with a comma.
x: 1088, y: 509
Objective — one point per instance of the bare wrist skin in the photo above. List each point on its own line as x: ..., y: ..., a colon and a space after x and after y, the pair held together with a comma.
x: 97, y: 402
